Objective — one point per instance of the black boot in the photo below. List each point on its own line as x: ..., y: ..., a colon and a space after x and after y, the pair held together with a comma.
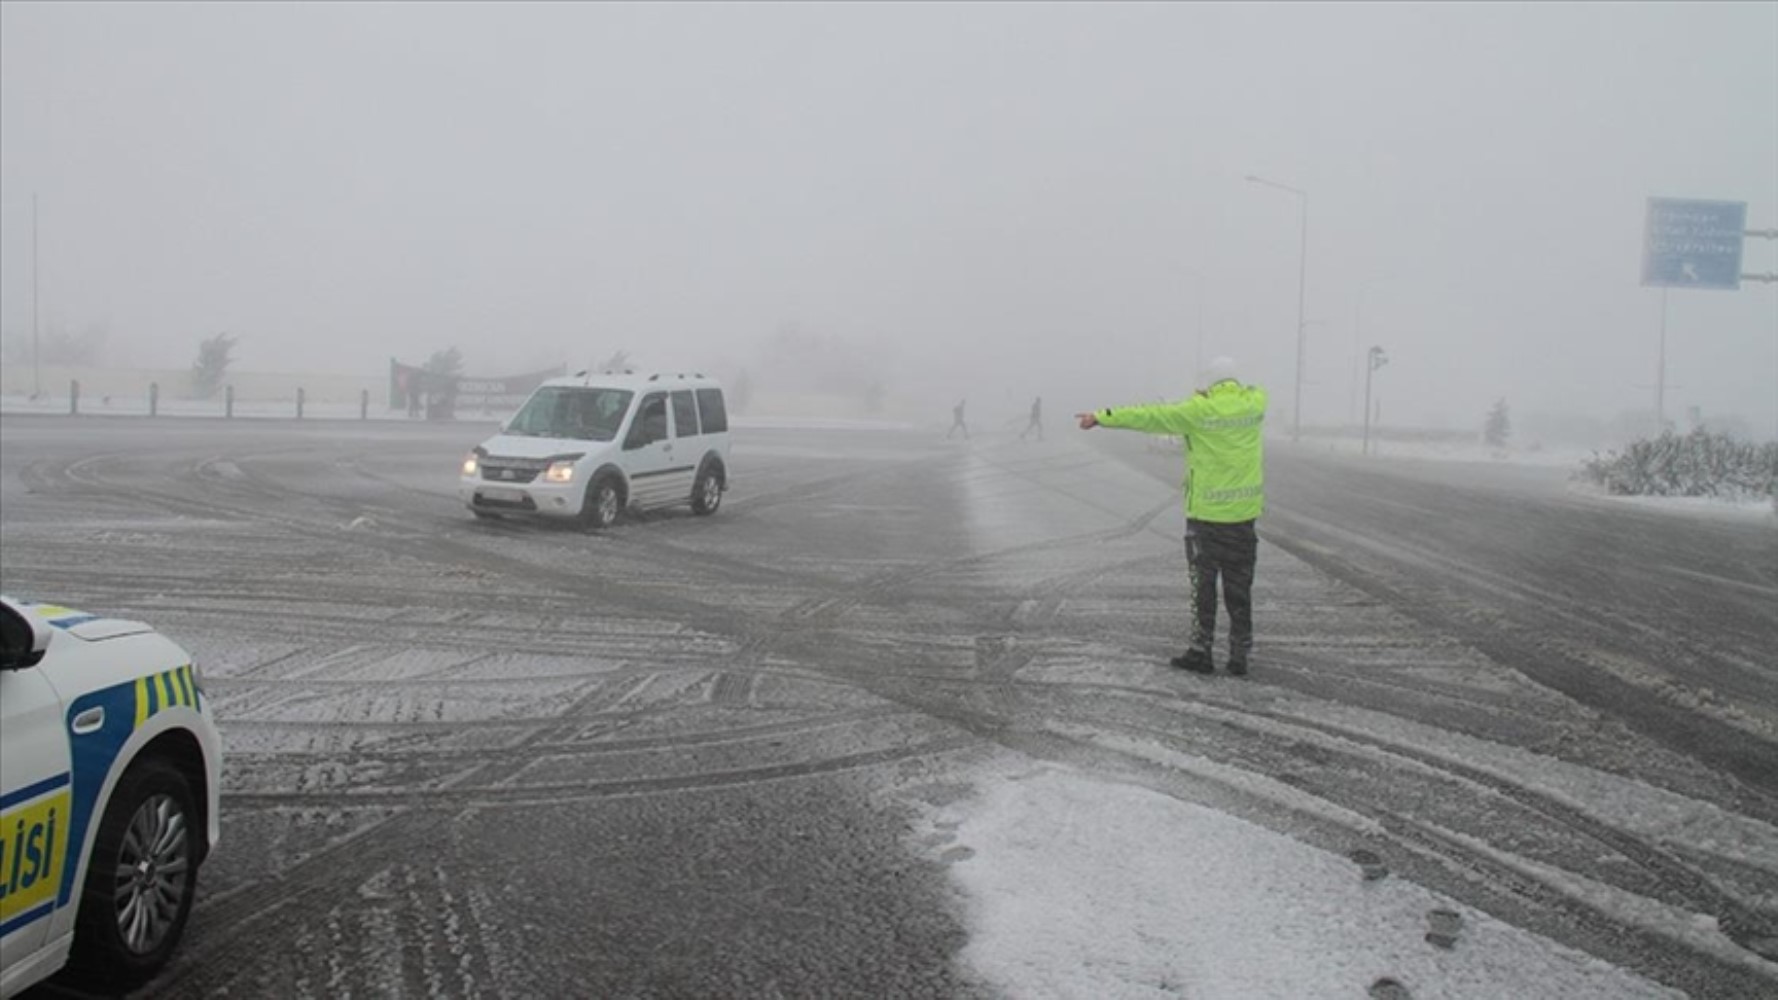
x: 1195, y: 660
x: 1238, y: 662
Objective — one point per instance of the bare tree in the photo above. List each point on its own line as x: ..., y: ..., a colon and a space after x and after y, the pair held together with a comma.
x: 447, y: 363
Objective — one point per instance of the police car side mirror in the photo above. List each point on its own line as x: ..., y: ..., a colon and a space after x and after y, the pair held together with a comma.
x: 23, y: 641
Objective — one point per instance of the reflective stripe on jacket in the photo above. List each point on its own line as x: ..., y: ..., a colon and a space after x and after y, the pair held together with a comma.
x: 1224, y: 448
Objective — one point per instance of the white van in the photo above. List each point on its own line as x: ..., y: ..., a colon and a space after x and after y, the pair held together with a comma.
x: 589, y: 446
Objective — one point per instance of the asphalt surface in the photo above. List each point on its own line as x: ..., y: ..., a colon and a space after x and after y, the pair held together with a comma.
x: 685, y: 757
x: 1667, y: 620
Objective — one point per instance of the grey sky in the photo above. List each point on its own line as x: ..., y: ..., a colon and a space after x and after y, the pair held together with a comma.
x: 997, y: 199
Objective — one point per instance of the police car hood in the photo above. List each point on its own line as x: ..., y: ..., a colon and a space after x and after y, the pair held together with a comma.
x: 524, y: 446
x: 83, y: 625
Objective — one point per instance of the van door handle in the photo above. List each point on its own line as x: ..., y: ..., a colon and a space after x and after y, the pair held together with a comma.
x: 89, y: 721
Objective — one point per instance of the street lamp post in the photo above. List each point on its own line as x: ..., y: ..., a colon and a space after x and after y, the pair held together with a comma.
x: 1199, y: 374
x: 1198, y: 294
x: 36, y: 353
x: 1302, y: 274
x: 1377, y: 360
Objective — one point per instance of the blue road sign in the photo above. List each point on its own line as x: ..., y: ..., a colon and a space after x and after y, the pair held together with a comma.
x: 1693, y: 244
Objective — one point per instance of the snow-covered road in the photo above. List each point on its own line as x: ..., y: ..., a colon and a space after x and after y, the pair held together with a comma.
x: 897, y: 722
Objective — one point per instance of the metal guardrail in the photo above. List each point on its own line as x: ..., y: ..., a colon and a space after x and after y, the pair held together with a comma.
x: 80, y: 401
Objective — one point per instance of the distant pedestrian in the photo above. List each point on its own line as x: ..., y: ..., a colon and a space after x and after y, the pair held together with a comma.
x: 1220, y: 425
x: 957, y: 421
x: 1036, y: 424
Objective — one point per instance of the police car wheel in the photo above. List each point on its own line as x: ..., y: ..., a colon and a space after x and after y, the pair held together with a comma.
x: 141, y: 879
x: 602, y: 504
x: 706, y: 493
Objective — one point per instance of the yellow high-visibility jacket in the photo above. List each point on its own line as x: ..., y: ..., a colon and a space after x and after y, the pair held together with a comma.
x: 1224, y: 447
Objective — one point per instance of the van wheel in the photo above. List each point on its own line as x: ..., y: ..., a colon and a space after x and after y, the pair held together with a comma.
x: 604, y: 501
x: 706, y: 491
x: 142, y: 876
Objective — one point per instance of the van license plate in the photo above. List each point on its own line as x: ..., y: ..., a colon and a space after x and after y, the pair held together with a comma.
x: 504, y: 495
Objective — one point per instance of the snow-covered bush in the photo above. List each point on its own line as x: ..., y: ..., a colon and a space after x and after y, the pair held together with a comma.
x: 1699, y: 464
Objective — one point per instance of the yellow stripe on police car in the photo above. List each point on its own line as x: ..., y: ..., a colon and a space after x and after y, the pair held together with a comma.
x: 164, y: 690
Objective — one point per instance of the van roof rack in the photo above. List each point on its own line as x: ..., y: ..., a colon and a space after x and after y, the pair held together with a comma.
x: 656, y: 377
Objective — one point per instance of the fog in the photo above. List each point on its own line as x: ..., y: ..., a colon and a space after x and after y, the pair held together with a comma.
x: 991, y: 201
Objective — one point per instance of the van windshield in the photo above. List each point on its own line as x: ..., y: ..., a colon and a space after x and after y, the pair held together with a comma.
x: 584, y: 414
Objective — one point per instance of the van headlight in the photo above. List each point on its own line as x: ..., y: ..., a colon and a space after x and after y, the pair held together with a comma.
x: 470, y: 464
x: 559, y: 472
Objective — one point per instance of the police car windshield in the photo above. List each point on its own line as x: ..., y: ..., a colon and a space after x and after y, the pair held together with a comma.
x: 584, y: 414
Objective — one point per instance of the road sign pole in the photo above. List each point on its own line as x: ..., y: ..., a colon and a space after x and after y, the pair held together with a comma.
x: 36, y: 349
x: 1661, y: 370
x: 1768, y: 277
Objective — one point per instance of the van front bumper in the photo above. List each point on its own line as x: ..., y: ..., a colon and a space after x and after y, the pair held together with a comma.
x: 541, y: 499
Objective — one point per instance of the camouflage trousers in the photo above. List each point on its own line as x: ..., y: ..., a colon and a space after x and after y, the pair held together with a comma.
x: 1227, y: 553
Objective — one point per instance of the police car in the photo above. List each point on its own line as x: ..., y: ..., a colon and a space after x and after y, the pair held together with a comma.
x: 109, y: 766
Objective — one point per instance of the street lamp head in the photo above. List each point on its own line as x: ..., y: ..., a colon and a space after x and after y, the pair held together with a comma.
x: 1299, y: 192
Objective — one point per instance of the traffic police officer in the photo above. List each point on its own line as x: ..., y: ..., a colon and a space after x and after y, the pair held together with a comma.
x: 1220, y: 425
